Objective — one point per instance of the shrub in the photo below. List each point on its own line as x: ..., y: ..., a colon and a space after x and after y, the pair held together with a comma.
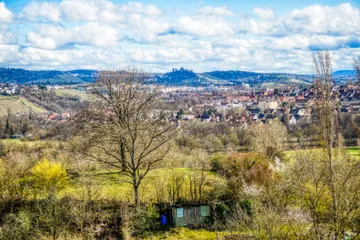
x: 18, y: 226
x: 145, y: 220
x: 49, y: 177
x: 216, y: 162
x: 53, y: 216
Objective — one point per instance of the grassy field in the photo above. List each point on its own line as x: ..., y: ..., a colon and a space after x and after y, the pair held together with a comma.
x: 18, y: 106
x: 184, y: 233
x: 73, y: 92
x: 111, y: 185
x: 353, y: 151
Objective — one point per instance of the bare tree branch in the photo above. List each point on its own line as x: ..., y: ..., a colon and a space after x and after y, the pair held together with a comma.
x: 120, y: 125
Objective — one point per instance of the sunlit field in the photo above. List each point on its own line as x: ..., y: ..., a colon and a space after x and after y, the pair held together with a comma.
x: 84, y: 96
x: 18, y: 106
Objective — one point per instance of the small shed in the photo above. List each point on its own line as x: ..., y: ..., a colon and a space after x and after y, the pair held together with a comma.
x: 189, y: 215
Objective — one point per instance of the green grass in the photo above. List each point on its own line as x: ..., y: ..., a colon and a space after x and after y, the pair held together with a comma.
x: 272, y: 84
x: 112, y: 186
x: 351, y: 151
x: 73, y: 92
x: 18, y: 106
x: 12, y: 145
x: 185, y: 233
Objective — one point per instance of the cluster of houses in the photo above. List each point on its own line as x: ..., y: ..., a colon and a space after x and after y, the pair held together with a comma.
x: 60, y: 117
x: 290, y: 104
x: 9, y: 89
x: 14, y: 89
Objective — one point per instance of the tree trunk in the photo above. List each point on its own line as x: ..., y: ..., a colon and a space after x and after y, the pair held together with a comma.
x: 136, y: 196
x: 122, y: 155
x: 136, y: 189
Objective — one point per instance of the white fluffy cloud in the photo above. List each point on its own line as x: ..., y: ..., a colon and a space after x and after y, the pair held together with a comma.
x: 50, y: 37
x: 203, y: 27
x: 266, y: 13
x: 70, y: 58
x: 104, y: 34
x: 35, y: 11
x: 6, y: 37
x: 215, y: 11
x: 82, y: 10
x: 5, y: 14
x: 341, y: 19
x: 86, y: 10
x: 9, y: 54
x: 136, y: 7
x: 144, y: 28
x: 6, y: 17
x: 137, y: 21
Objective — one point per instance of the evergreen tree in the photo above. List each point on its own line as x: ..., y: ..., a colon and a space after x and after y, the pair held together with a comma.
x: 12, y: 132
x: 7, y: 126
x: 180, y: 113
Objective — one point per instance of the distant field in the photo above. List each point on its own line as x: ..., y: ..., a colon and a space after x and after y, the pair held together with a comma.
x: 272, y: 84
x: 73, y: 92
x: 351, y: 151
x: 18, y: 106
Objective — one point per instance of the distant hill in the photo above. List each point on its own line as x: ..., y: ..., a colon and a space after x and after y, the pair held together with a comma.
x: 188, y: 78
x: 215, y: 78
x: 21, y: 76
x: 343, y: 73
x: 344, y: 76
x: 177, y: 77
x: 253, y: 78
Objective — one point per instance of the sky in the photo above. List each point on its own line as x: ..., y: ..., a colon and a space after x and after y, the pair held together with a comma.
x: 157, y: 35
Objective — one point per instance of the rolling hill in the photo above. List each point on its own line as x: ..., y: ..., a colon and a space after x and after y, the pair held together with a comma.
x: 21, y: 76
x: 344, y: 73
x: 181, y: 77
x: 184, y: 77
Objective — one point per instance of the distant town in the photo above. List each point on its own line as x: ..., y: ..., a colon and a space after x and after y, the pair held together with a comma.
x: 292, y: 103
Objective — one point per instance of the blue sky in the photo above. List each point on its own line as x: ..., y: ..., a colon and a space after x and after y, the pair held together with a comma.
x: 235, y: 5
x: 258, y: 35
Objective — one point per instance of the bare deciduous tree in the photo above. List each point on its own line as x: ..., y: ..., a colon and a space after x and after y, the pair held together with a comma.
x: 328, y: 123
x: 268, y: 139
x: 327, y: 113
x: 198, y: 178
x: 121, y: 128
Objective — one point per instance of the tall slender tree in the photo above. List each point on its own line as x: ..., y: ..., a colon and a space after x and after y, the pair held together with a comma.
x: 328, y: 119
x: 357, y: 67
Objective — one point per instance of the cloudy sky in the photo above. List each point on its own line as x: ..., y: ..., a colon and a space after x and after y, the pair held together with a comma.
x: 205, y: 35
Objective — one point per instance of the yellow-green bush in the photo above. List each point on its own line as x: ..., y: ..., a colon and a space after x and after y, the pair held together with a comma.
x: 49, y: 177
